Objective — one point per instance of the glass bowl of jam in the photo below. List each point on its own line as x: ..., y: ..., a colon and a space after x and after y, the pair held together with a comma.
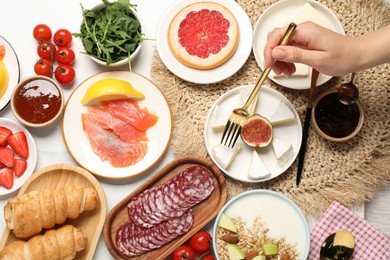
x: 37, y: 101
x: 335, y: 121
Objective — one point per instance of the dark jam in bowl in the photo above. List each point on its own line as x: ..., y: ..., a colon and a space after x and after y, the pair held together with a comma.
x: 38, y: 101
x: 334, y: 118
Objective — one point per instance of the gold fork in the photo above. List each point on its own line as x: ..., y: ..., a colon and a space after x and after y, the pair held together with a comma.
x: 239, y: 115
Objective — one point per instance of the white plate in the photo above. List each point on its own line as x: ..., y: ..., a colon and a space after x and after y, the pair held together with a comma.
x: 279, y: 213
x: 79, y: 146
x: 213, y: 75
x: 31, y: 160
x: 290, y: 132
x: 273, y: 17
x: 12, y: 63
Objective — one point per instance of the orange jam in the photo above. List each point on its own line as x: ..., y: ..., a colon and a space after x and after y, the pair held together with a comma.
x: 38, y: 101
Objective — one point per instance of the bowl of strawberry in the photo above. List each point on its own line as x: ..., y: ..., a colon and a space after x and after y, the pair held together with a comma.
x: 18, y: 156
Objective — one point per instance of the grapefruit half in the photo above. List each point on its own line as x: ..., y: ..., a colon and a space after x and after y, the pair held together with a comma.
x: 203, y: 35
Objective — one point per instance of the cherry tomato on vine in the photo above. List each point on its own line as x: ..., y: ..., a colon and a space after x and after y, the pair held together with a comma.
x: 46, y: 50
x: 42, y: 67
x: 208, y: 257
x: 42, y: 32
x: 64, y: 74
x: 184, y: 253
x: 62, y: 38
x: 201, y: 242
x: 65, y: 55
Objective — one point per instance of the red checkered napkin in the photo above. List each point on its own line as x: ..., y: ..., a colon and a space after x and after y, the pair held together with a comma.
x: 370, y: 244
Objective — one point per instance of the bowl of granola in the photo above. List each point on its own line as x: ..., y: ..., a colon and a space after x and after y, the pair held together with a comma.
x: 263, y: 224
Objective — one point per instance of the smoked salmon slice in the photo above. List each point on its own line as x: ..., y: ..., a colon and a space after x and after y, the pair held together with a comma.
x: 106, y: 144
x: 124, y: 131
x: 129, y: 111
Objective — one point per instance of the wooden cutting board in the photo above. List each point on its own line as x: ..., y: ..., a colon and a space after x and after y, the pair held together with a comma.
x: 60, y: 175
x: 203, y: 212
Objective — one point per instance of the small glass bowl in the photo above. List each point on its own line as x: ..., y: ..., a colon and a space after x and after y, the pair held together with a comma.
x: 335, y: 121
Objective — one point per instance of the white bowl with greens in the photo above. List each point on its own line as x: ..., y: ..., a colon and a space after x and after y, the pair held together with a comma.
x: 111, y: 33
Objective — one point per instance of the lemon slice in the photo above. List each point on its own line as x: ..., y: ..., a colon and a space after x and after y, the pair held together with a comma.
x: 110, y: 89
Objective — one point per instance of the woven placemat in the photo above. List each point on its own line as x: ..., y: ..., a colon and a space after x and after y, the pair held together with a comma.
x: 349, y: 172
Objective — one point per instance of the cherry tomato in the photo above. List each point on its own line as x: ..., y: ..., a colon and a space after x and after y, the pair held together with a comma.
x: 64, y: 74
x: 208, y: 257
x: 184, y: 253
x: 62, y: 38
x: 65, y: 55
x: 46, y: 50
x: 201, y: 242
x: 42, y: 67
x: 42, y: 32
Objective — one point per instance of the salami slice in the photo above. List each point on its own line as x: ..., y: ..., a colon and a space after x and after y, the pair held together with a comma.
x: 133, y: 240
x: 173, y: 198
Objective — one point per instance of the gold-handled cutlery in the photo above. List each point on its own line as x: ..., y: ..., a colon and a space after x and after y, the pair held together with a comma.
x: 239, y: 115
x: 306, y: 125
x: 338, y: 245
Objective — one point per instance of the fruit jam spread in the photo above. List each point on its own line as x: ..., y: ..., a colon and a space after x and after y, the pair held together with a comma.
x: 334, y: 118
x: 38, y: 101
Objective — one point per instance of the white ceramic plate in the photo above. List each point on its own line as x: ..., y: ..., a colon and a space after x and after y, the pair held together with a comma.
x: 205, y: 76
x: 267, y: 102
x: 279, y: 213
x: 274, y: 17
x: 31, y: 160
x: 79, y: 146
x: 12, y: 63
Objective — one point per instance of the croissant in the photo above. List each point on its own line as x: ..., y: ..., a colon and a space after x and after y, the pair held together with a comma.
x: 62, y: 243
x: 29, y: 213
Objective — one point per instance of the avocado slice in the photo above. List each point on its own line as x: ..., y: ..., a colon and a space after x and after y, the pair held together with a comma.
x: 227, y: 223
x: 235, y: 253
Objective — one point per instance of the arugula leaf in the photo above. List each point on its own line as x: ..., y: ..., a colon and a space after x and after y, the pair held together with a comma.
x: 112, y: 33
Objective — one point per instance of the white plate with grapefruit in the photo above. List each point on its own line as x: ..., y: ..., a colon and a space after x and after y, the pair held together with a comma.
x: 281, y: 14
x: 223, y: 64
x: 11, y: 63
x: 84, y: 151
x: 270, y: 161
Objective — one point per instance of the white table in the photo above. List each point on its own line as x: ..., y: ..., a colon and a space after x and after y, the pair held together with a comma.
x: 17, y: 21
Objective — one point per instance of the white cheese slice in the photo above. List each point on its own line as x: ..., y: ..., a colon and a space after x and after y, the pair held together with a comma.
x: 225, y: 155
x: 282, y: 114
x: 219, y: 117
x: 257, y: 168
x: 308, y: 13
x: 283, y: 150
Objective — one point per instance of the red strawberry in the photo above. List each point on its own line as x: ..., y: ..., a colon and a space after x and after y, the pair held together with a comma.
x: 18, y: 142
x: 7, y: 156
x: 7, y: 178
x: 20, y: 166
x: 2, y: 165
x: 4, y: 134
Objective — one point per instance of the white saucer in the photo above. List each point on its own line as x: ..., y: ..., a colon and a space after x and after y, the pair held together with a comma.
x: 273, y: 17
x: 290, y: 132
x: 205, y: 76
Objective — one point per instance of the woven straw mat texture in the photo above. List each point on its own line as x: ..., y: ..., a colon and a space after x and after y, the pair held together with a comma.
x: 349, y: 172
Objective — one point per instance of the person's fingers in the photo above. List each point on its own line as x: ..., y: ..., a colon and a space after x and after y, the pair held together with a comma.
x: 284, y: 68
x: 292, y: 54
x: 273, y: 39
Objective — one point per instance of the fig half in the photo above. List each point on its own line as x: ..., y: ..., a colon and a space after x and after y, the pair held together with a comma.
x: 257, y: 131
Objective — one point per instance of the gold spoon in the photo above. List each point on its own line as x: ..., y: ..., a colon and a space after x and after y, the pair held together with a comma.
x: 338, y: 246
